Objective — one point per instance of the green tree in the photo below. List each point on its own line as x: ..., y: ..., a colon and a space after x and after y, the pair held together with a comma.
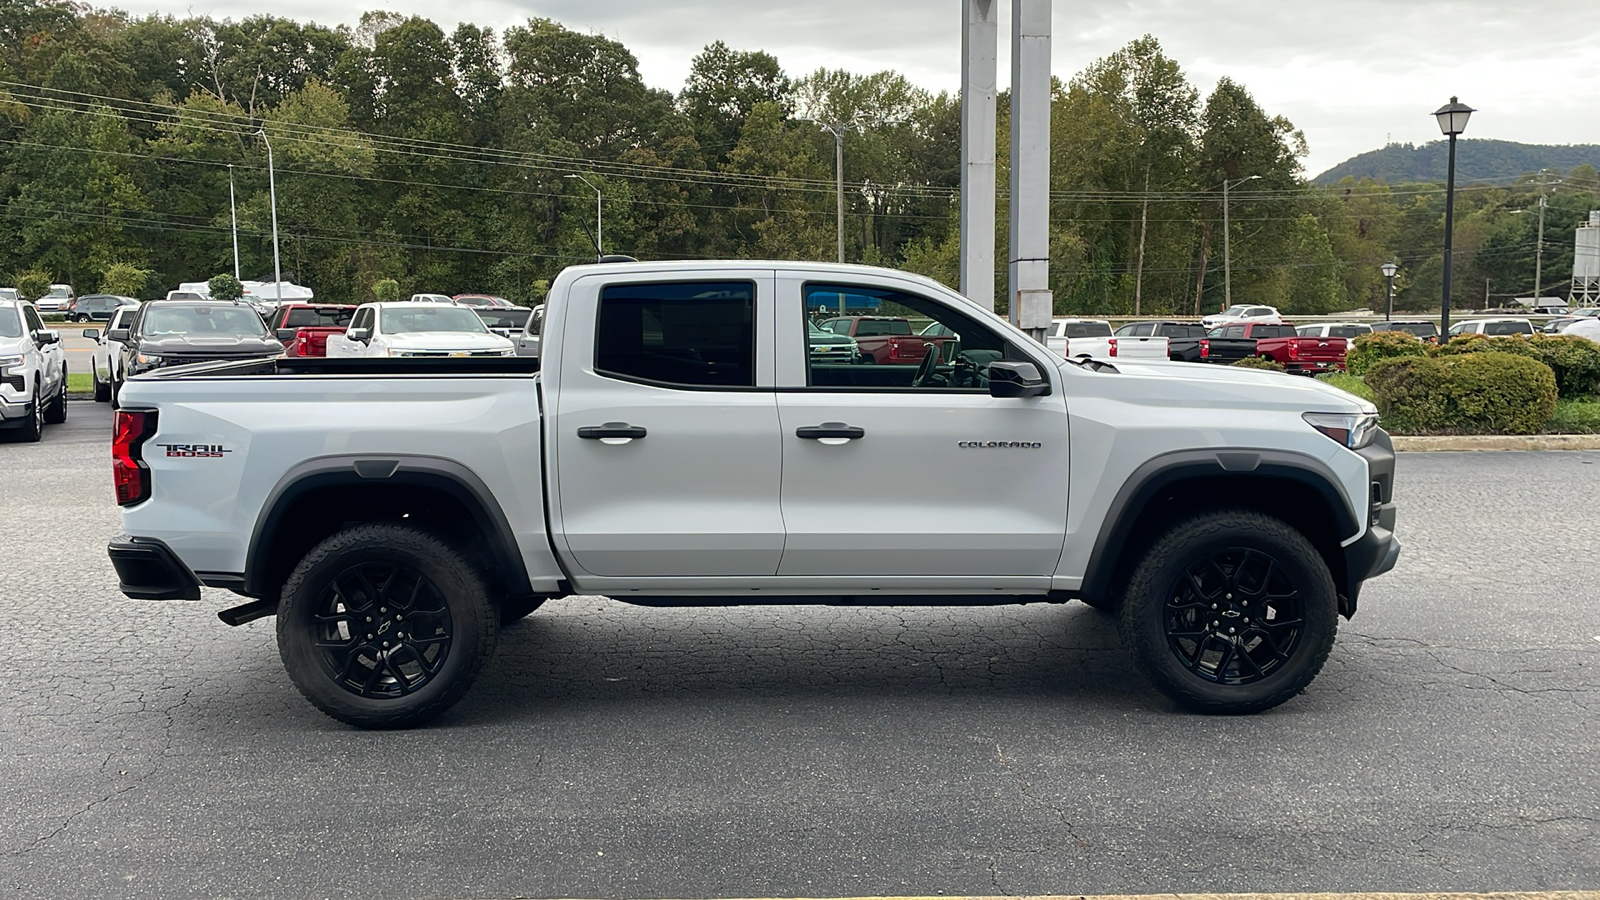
x: 225, y: 287
x: 386, y: 290
x: 125, y: 279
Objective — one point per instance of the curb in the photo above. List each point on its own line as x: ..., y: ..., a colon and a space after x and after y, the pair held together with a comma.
x: 1498, y: 442
x: 1379, y: 895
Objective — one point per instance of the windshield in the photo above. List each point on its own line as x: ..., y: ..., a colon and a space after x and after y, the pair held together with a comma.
x: 202, y: 321
x: 431, y: 318
x: 58, y: 292
x: 1235, y: 311
x: 504, y: 318
x: 313, y: 316
x: 10, y: 323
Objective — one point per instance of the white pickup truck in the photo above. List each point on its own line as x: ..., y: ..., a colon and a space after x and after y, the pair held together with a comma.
x: 1093, y: 339
x: 676, y: 444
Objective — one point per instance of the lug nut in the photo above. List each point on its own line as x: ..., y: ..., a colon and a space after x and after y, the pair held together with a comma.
x: 1230, y: 597
x: 1230, y: 631
x: 369, y: 618
x: 1213, y: 606
x: 371, y: 636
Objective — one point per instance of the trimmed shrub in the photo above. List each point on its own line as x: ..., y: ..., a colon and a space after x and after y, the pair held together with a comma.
x: 1367, y: 349
x: 1464, y: 393
x: 1411, y: 393
x: 224, y: 287
x: 33, y: 284
x: 386, y: 290
x: 1500, y: 393
x: 1575, y: 361
x: 1259, y: 362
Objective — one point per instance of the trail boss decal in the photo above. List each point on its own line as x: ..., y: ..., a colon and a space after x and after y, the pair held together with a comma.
x: 195, y: 451
x: 999, y: 445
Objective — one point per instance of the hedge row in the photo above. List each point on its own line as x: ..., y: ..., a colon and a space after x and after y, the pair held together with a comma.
x: 1463, y: 393
x: 1574, y: 361
x: 1260, y: 362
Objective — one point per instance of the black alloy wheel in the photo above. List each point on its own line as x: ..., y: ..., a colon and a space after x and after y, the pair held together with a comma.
x: 1230, y: 612
x: 1234, y: 617
x: 383, y: 629
x: 385, y: 626
x: 56, y: 412
x: 33, y: 430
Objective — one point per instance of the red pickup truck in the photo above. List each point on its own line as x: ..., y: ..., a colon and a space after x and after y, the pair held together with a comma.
x: 885, y: 340
x: 1280, y: 343
x: 304, y: 327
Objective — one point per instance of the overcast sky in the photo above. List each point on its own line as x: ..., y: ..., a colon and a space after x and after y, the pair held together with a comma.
x: 1352, y: 74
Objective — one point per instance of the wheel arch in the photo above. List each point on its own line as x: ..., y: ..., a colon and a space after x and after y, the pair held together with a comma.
x: 319, y: 497
x: 1299, y: 489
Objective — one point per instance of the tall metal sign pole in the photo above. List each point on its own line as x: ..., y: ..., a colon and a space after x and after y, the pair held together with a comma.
x: 1031, y: 302
x: 980, y: 41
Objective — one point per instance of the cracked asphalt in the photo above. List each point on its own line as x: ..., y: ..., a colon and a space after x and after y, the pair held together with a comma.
x: 147, y: 750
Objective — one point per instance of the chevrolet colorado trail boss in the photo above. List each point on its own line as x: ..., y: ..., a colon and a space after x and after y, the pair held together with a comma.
x: 677, y: 444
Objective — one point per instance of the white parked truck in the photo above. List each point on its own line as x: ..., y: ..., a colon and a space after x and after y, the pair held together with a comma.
x: 676, y: 444
x: 1093, y: 339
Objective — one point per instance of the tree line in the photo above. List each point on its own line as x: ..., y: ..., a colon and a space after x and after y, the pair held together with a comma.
x: 444, y: 161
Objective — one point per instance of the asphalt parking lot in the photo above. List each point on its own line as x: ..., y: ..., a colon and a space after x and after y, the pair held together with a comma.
x: 1450, y: 744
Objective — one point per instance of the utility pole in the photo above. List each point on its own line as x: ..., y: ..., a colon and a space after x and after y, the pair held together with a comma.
x: 1227, y: 243
x: 1538, y: 256
x: 838, y: 175
x: 233, y: 213
x: 272, y: 192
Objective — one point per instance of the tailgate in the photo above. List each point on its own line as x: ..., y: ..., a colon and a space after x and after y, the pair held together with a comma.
x: 1328, y: 349
x: 1139, y: 347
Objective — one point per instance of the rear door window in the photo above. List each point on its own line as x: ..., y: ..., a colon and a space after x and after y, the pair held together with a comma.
x: 690, y: 334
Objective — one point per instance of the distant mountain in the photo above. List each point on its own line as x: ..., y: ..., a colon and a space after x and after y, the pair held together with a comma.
x: 1476, y: 160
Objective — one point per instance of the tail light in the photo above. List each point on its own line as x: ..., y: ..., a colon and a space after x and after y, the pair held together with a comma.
x: 1113, y: 346
x: 1205, y: 348
x: 302, y: 344
x: 1294, y: 349
x: 128, y: 470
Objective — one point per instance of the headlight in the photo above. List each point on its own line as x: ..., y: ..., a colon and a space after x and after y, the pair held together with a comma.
x: 10, y: 361
x: 511, y: 352
x: 1353, y: 430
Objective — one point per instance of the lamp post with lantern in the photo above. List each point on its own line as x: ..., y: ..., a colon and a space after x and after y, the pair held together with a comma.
x: 1389, y: 271
x: 1452, y: 118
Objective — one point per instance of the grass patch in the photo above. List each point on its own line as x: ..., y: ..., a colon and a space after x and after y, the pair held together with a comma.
x: 80, y: 382
x: 1350, y: 384
x: 1576, y: 416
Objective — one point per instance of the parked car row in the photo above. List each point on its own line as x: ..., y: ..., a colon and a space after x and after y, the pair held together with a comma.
x: 33, y: 372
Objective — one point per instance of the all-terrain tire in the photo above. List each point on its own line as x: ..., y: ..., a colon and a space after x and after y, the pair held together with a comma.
x: 102, y: 389
x: 1189, y: 621
x: 32, y: 430
x: 385, y: 626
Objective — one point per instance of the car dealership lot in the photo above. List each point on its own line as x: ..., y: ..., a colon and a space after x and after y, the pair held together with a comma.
x: 612, y: 750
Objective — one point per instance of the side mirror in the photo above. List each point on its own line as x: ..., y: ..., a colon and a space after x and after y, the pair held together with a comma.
x: 91, y: 334
x: 1012, y: 378
x: 47, y: 337
x: 287, y: 335
x: 359, y: 335
x: 120, y: 335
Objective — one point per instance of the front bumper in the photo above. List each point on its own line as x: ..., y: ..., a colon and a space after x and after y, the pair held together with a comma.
x: 147, y: 569
x: 15, y: 413
x: 1377, y: 551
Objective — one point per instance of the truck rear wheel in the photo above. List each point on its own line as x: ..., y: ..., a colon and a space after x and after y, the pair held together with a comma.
x: 385, y: 626
x: 1230, y: 612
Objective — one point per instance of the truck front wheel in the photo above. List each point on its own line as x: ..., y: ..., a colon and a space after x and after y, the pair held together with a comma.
x: 1230, y: 612
x: 385, y: 626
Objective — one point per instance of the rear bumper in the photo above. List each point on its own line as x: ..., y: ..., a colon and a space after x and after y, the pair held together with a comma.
x: 147, y: 569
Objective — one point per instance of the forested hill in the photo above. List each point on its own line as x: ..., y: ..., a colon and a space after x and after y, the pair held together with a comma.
x: 1476, y: 160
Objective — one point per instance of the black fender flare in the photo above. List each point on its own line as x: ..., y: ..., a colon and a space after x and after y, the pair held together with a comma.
x: 1146, y: 483
x: 436, y: 473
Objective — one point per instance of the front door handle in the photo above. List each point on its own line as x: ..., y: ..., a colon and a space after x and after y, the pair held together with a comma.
x: 831, y: 433
x: 612, y: 432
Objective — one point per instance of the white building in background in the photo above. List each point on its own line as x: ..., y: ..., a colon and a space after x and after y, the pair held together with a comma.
x: 1586, y: 263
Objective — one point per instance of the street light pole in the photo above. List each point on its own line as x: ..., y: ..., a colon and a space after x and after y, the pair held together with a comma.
x: 1227, y: 243
x: 599, y: 220
x: 1538, y: 258
x: 272, y: 193
x: 233, y: 213
x: 838, y: 176
x: 1389, y: 271
x: 1452, y: 119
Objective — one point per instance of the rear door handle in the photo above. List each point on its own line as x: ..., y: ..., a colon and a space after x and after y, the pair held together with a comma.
x: 831, y: 433
x: 612, y: 432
